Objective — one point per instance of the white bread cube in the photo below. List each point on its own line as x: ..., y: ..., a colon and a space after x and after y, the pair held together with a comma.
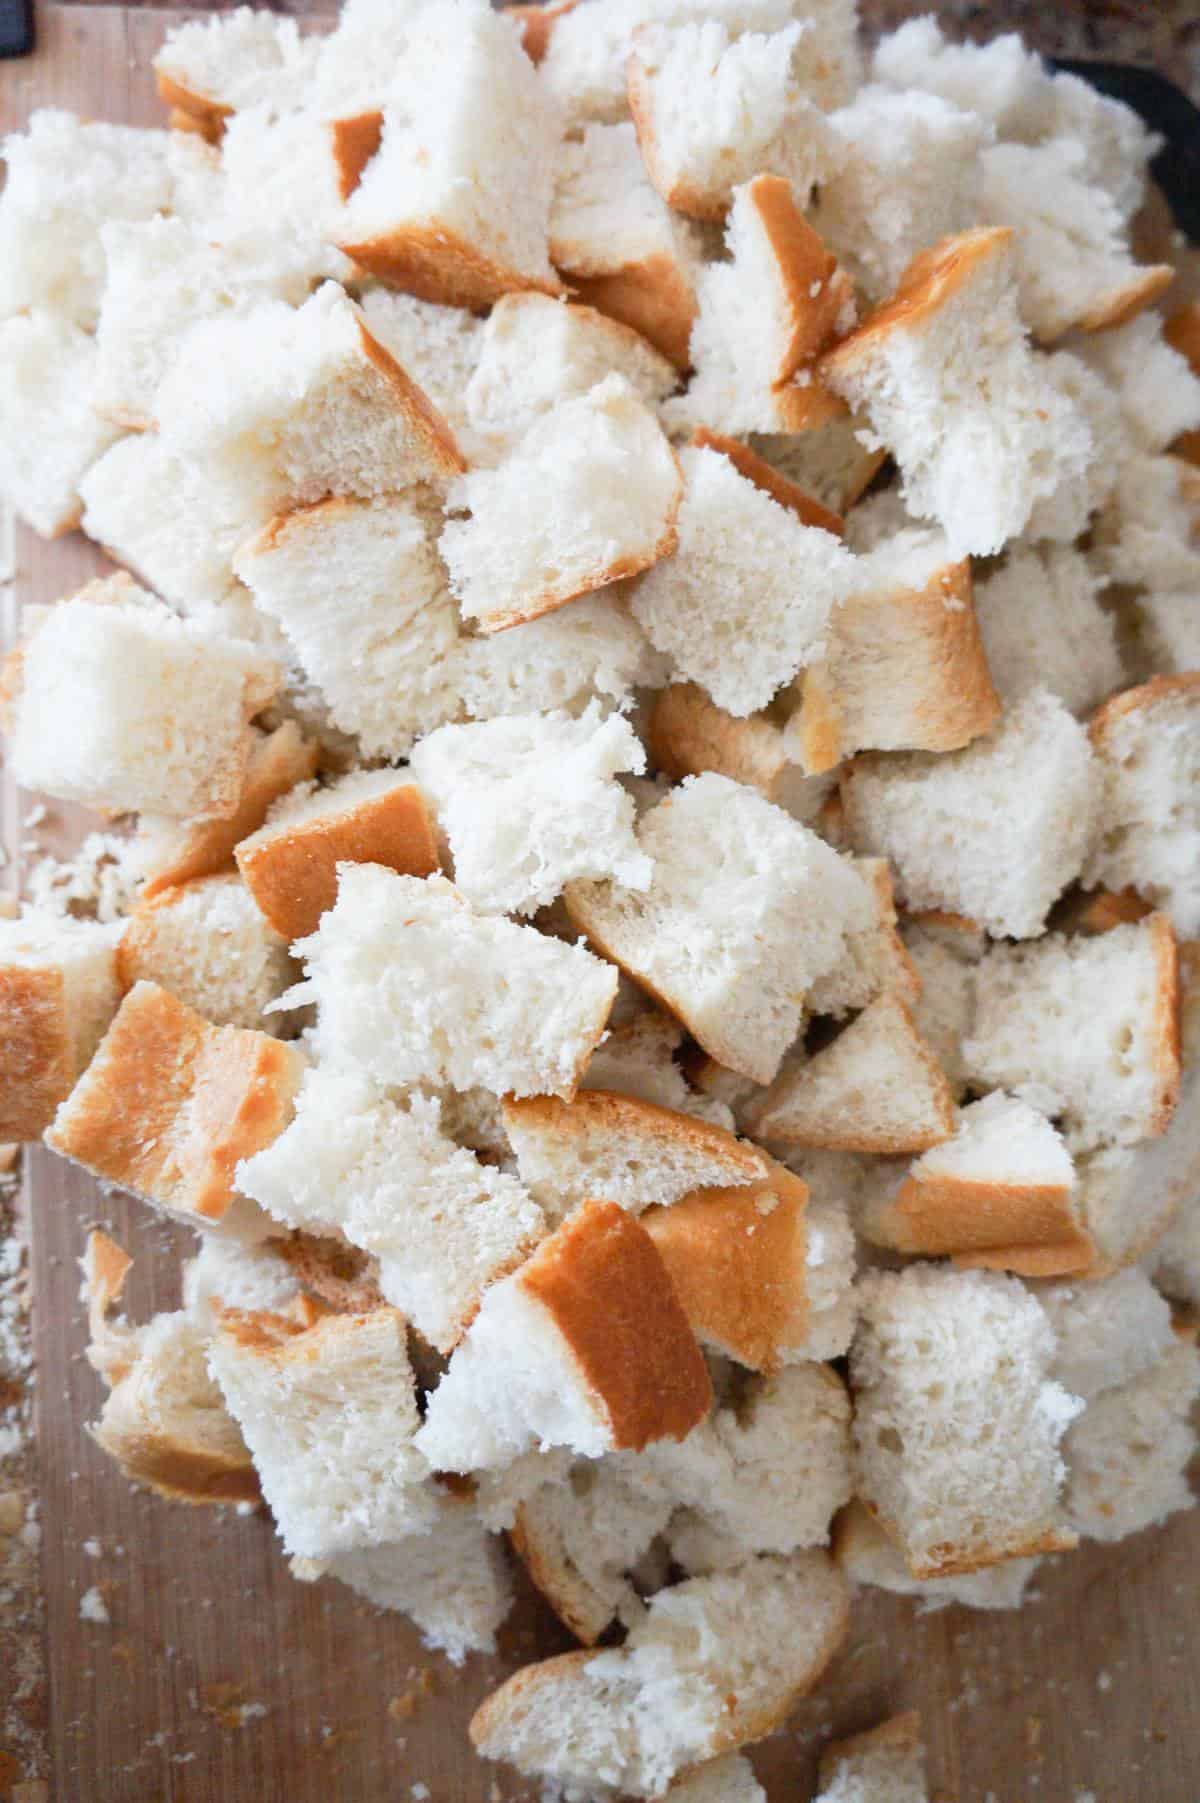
x: 1147, y: 743
x: 530, y: 802
x: 731, y: 960
x: 884, y: 1765
x: 1147, y: 534
x: 1175, y: 1259
x: 279, y: 175
x: 329, y: 1412
x: 1169, y: 628
x: 438, y: 346
x: 868, y: 1555
x: 454, y: 206
x: 518, y: 1013
x: 1065, y: 514
x: 957, y: 1423
x: 995, y: 831
x: 1157, y: 389
x: 716, y: 1662
x: 946, y: 375
x: 586, y: 1346
x: 59, y: 990
x: 686, y: 733
x: 66, y: 178
x: 1128, y: 1458
x: 637, y: 1058
x: 1087, y: 1029
x: 729, y: 1779
x: 383, y: 1174
x: 874, y: 961
x: 226, y: 1274
x: 589, y: 528
x: 357, y: 60
x: 945, y: 1008
x: 210, y: 68
x: 745, y: 602
x: 1043, y: 626
x: 122, y: 705
x: 206, y: 942
x: 592, y: 650
x: 50, y: 432
x: 1107, y: 1333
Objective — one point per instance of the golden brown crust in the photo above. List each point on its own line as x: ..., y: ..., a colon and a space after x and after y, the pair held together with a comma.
x: 1133, y: 701
x: 737, y: 1258
x: 37, y: 1061
x: 494, y: 1714
x: 603, y: 1111
x: 816, y: 289
x: 803, y: 406
x: 537, y: 24
x: 303, y: 1336
x: 551, y: 1573
x: 899, y: 1734
x: 948, y: 1561
x: 1182, y: 333
x: 291, y: 869
x: 1168, y: 1064
x: 354, y: 140
x: 681, y: 196
x: 175, y: 1470
x: 601, y: 1280
x: 191, y: 110
x: 338, y: 1275
x: 687, y: 733
x: 437, y: 264
x: 764, y: 476
x: 1030, y: 1228
x: 1126, y: 302
x: 421, y: 416
x: 653, y: 296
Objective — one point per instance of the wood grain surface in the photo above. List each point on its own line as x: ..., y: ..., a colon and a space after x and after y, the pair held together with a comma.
x: 219, y: 1679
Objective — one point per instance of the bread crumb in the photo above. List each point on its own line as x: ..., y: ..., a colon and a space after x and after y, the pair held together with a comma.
x: 406, y: 1704
x: 92, y: 1607
x: 1104, y: 1681
x: 420, y: 1792
x: 92, y: 1548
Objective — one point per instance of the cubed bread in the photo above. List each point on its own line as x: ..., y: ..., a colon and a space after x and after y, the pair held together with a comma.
x: 874, y: 960
x: 904, y: 665
x: 592, y: 650
x: 209, y: 68
x: 1146, y: 536
x: 996, y: 831
x: 943, y: 957
x: 957, y: 1423
x: 876, y: 1088
x: 382, y: 1173
x: 1128, y: 1457
x: 590, y: 527
x: 585, y: 1346
x: 367, y: 817
x: 1168, y: 626
x: 729, y: 1779
x: 637, y: 1058
x: 1042, y: 626
x: 686, y: 733
x: 438, y: 346
x: 228, y: 1274
x: 207, y: 942
x: 883, y: 1765
x: 730, y: 959
x: 715, y: 1663
x: 530, y: 802
x: 123, y: 705
x: 279, y: 175
x: 829, y: 462
x: 50, y: 432
x: 329, y: 1412
x: 1106, y: 1333
x: 59, y: 989
x: 1157, y: 389
x: 946, y: 375
x: 1085, y: 1028
x: 1065, y: 514
x: 868, y: 1555
x: 516, y: 1012
x: 170, y: 1104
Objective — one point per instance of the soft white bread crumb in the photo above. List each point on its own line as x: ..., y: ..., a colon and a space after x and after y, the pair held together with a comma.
x: 1175, y: 1261
x: 727, y: 1780
x: 590, y: 527
x: 637, y: 1058
x: 529, y: 802
x: 438, y: 346
x: 884, y: 1765
x: 1128, y: 1458
x: 828, y: 462
x: 1158, y: 392
x: 384, y: 1174
x: 945, y: 1008
x: 1043, y: 627
x: 1146, y: 535
x: 122, y: 705
x: 517, y: 1012
x: 1147, y: 743
x: 357, y: 60
x: 746, y: 599
x: 946, y: 375
x: 995, y: 831
x: 208, y: 944
x: 59, y: 990
x: 592, y: 650
x: 1065, y: 514
x: 869, y: 1555
x: 329, y: 1412
x: 210, y: 68
x: 1107, y: 1333
x: 957, y: 1423
x: 50, y: 433
x: 1085, y: 1028
x: 1169, y: 627
x: 633, y: 1717
x: 279, y: 175
x: 873, y: 962
x: 731, y: 959
x: 224, y: 1274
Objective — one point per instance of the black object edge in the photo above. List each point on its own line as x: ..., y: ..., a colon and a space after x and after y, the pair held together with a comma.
x: 1166, y: 109
x: 16, y: 27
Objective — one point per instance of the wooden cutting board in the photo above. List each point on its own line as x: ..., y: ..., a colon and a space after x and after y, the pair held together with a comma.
x: 219, y: 1679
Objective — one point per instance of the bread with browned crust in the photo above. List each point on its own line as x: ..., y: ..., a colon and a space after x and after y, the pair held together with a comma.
x: 59, y: 989
x: 207, y: 942
x: 883, y: 1765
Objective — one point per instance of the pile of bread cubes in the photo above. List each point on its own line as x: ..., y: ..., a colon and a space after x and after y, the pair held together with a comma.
x: 654, y: 690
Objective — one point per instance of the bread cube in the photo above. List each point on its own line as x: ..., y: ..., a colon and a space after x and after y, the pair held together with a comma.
x: 592, y: 650
x: 729, y: 1779
x: 886, y: 1763
x: 170, y: 1104
x: 228, y: 1274
x: 1065, y: 514
x: 637, y: 1058
x: 1128, y: 1458
x: 1175, y: 1261
x: 1147, y: 742
x: 1042, y: 626
x: 957, y: 1423
x: 206, y: 942
x: 1169, y: 628
x: 50, y: 432
x: 1146, y: 536
x: 438, y: 346
x: 59, y: 989
x: 210, y: 68
x: 870, y: 1556
x: 874, y: 961
x: 1107, y: 1333
x: 1157, y: 389
x: 828, y: 462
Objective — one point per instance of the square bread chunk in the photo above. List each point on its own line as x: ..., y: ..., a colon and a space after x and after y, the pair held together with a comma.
x: 207, y: 943
x: 1043, y: 626
x: 210, y: 68
x: 875, y: 960
x: 1128, y: 1458
x: 884, y: 1765
x: 59, y: 990
x: 50, y: 432
x: 1159, y: 393
x: 868, y: 1555
x: 592, y: 650
x: 1108, y: 1333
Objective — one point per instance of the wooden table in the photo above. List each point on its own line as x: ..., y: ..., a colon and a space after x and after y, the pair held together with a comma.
x: 221, y: 1680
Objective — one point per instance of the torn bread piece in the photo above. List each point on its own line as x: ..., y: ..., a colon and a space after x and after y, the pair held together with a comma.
x: 637, y: 1058
x: 1158, y: 392
x: 227, y: 1274
x: 1062, y: 516
x: 209, y: 68
x: 829, y: 462
x: 957, y: 1423
x: 1128, y: 1458
x: 170, y: 1104
x: 773, y: 482
x: 50, y: 432
x: 383, y: 1174
x: 59, y: 989
x: 729, y: 1779
x: 1043, y: 626
x: 884, y: 1765
x: 716, y: 1662
x: 943, y: 952
x: 1148, y: 534
x: 290, y: 864
x: 1107, y: 1333
x: 593, y: 650
x: 868, y: 1555
x: 438, y: 346
x: 368, y: 964
x: 586, y: 1346
x: 686, y: 733
x: 874, y: 960
x: 731, y: 961
x: 207, y: 943
x: 589, y: 529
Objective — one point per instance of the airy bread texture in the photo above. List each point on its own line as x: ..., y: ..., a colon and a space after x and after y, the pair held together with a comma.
x: 945, y: 1007
x: 1147, y: 743
x: 586, y: 1346
x: 716, y: 953
x: 727, y: 1780
x: 438, y: 346
x: 59, y: 989
x: 368, y: 964
x: 1107, y: 1333
x: 383, y: 1174
x: 874, y: 961
x: 210, y: 68
x: 591, y: 650
x: 226, y: 1274
x: 48, y: 372
x: 829, y: 462
x: 1157, y: 389
x: 1043, y: 626
x: 884, y: 1765
x: 1063, y: 515
x: 590, y: 529
x: 1146, y: 535
x: 208, y: 944
x: 637, y: 1058
x: 869, y: 1555
x: 957, y: 1423
x: 1128, y: 1458
x: 529, y: 802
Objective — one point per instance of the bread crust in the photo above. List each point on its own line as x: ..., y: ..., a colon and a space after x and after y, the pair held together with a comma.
x: 421, y: 416
x: 653, y: 296
x: 1101, y: 911
x: 803, y: 406
x: 948, y: 1561
x: 1126, y: 302
x: 602, y: 1110
x: 537, y: 24
x: 173, y: 1468
x: 765, y: 477
x: 680, y: 196
x: 1182, y: 333
x: 354, y: 140
x: 440, y: 265
x: 37, y: 1065
x: 578, y: 1606
x: 899, y: 1734
x: 339, y: 1276
x: 687, y: 733
x: 1032, y: 1229
x: 816, y: 289
x: 201, y: 113
x: 1145, y: 695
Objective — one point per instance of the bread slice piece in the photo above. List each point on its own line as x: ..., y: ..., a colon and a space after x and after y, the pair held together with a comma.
x: 207, y: 943
x: 1107, y: 1333
x: 1146, y: 536
x: 592, y: 650
x: 874, y: 960
x: 590, y: 529
x: 884, y: 1765
x: 59, y: 989
x: 226, y: 1274
x: 1086, y: 1028
x: 209, y: 68
x: 944, y: 1010
x: 876, y: 1088
x: 686, y: 733
x: 522, y: 1017
x: 438, y: 346
x: 1128, y: 1458
x: 716, y: 1662
x: 995, y: 831
x: 50, y: 432
x: 1043, y: 626
x: 729, y: 1779
x: 586, y: 1346
x: 383, y: 1174
x: 1158, y: 392
x: 828, y: 462
x: 368, y: 817
x: 158, y: 708
x: 170, y: 1104
x: 1064, y: 515
x: 904, y: 666
x: 868, y: 1555
x: 715, y: 954
x: 946, y: 375
x: 959, y: 1463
